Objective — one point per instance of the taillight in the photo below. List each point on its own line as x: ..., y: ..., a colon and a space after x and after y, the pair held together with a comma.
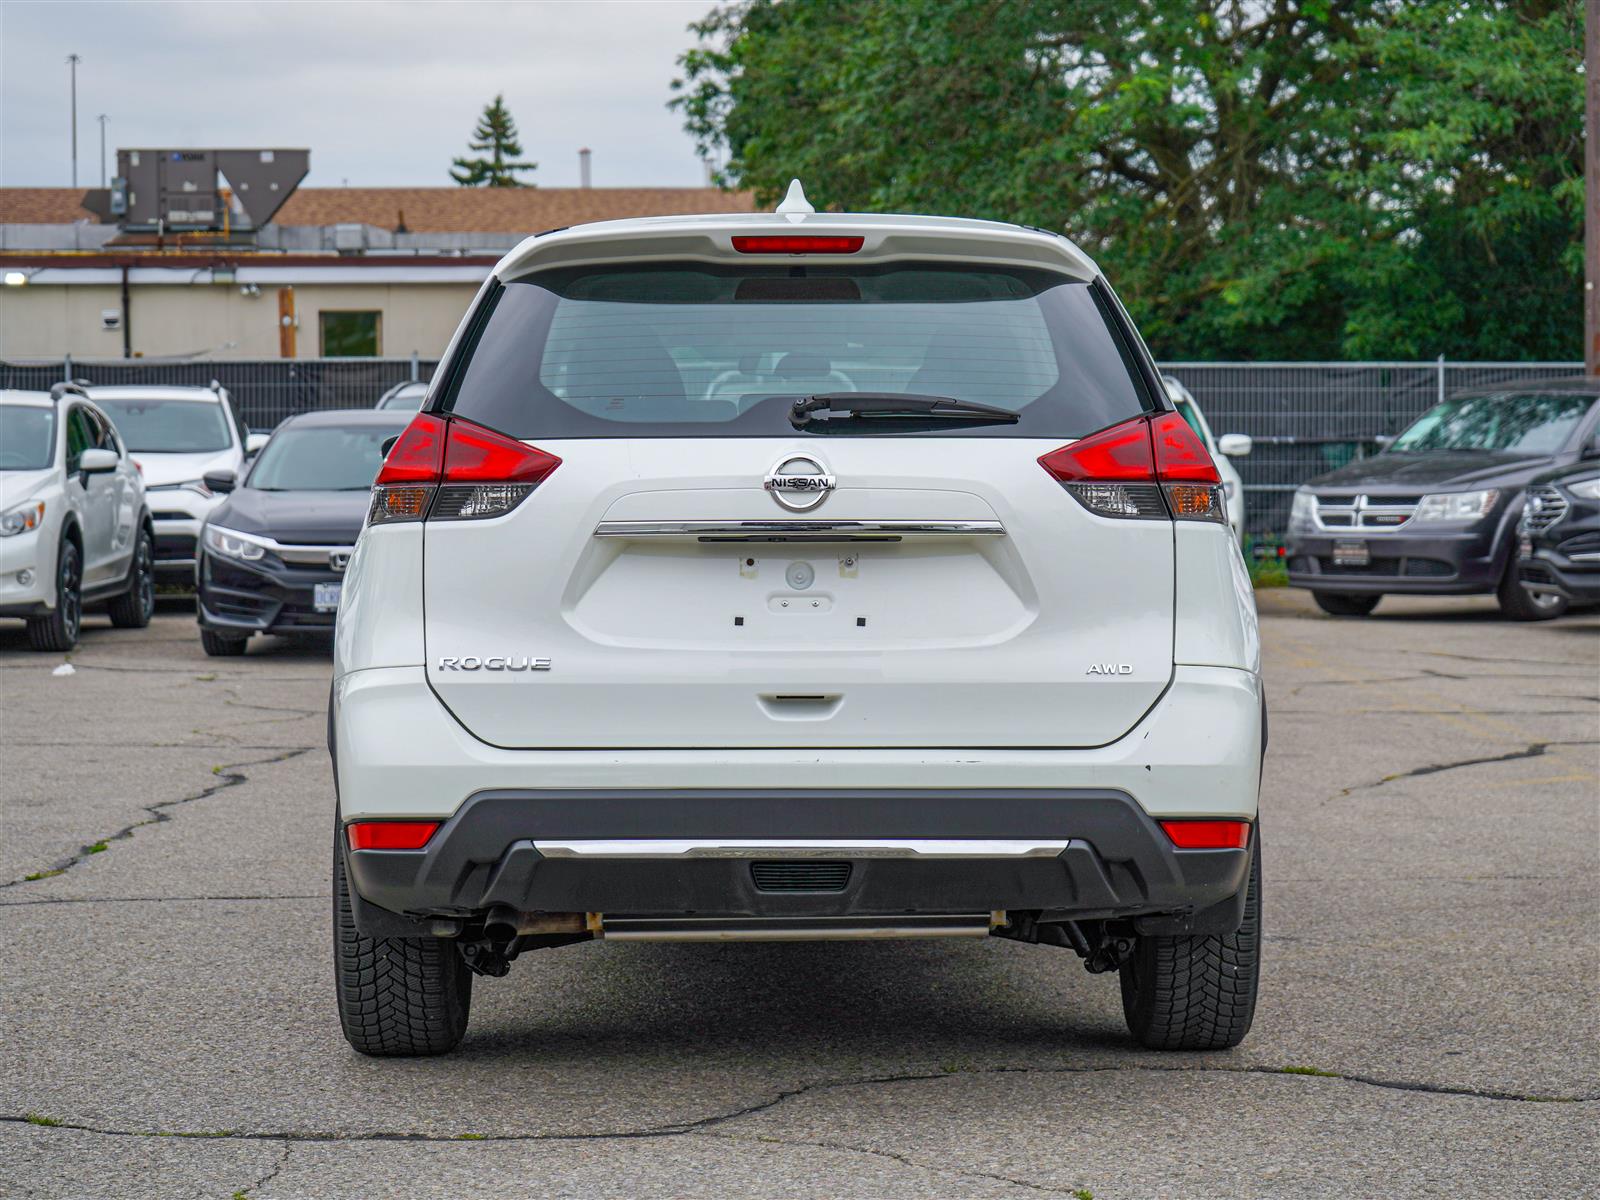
x: 410, y: 472
x: 389, y: 835
x: 797, y: 243
x: 1150, y: 467
x: 454, y: 470
x: 1208, y: 835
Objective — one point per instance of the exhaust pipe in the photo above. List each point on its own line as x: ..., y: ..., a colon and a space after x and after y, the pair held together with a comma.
x: 505, y: 924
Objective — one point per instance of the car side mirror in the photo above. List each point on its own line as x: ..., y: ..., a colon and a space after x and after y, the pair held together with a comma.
x: 388, y: 445
x: 253, y: 443
x: 96, y: 461
x: 1236, y: 445
x: 1592, y: 450
x: 1384, y: 440
x: 221, y: 482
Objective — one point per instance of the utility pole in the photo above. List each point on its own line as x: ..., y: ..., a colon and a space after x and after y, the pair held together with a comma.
x: 102, y: 118
x: 1591, y: 190
x: 72, y: 66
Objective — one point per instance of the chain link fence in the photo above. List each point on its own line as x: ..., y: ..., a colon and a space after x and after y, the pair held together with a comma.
x: 1306, y: 418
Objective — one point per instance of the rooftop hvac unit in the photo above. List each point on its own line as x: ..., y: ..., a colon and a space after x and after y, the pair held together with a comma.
x: 177, y: 190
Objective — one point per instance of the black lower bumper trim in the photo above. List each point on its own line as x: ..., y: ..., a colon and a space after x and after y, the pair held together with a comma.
x: 1117, y: 862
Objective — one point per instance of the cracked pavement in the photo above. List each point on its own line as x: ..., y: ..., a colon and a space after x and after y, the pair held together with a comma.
x: 1431, y: 822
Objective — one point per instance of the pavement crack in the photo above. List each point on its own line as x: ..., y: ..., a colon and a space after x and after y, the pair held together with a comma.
x: 903, y: 1159
x: 283, y: 1161
x: 1480, y: 658
x: 228, y: 775
x: 1532, y: 750
x: 701, y: 1125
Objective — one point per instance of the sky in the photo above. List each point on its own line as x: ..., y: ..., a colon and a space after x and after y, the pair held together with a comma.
x: 383, y: 94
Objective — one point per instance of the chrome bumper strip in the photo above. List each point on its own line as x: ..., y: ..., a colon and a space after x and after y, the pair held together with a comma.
x: 798, y: 531
x: 802, y: 848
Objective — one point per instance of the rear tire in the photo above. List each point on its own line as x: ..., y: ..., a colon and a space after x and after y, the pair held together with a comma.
x: 134, y: 608
x: 398, y: 997
x: 58, y: 630
x: 1346, y: 604
x: 1519, y: 604
x: 218, y: 646
x: 1197, y: 993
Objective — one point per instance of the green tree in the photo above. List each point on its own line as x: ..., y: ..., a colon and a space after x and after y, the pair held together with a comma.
x: 495, y: 137
x: 1268, y: 179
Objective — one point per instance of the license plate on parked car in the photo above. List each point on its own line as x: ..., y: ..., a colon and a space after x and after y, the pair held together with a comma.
x: 1351, y: 554
x: 325, y: 596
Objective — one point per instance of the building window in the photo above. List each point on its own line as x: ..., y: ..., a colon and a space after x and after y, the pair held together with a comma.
x: 351, y: 334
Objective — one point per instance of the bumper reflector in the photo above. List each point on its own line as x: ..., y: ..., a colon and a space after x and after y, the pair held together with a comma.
x: 1208, y: 835
x: 389, y: 835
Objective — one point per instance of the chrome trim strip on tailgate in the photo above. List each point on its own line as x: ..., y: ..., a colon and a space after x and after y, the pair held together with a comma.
x: 798, y: 531
x: 801, y: 848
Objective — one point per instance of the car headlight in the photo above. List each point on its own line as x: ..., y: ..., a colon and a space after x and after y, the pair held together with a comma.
x: 1589, y: 489
x: 23, y: 519
x: 1303, y: 512
x: 233, y: 544
x: 197, y: 486
x: 1456, y: 506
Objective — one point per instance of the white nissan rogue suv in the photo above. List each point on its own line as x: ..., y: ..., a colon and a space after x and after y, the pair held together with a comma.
x: 796, y: 575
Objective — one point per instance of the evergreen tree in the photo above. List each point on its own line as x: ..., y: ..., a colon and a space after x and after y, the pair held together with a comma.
x: 495, y: 134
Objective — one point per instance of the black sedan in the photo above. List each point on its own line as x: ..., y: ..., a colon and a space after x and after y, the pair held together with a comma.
x: 1436, y: 513
x: 272, y: 556
x: 1560, y: 550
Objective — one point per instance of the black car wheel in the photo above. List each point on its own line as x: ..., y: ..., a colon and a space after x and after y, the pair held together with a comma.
x: 134, y: 608
x: 1197, y: 993
x: 219, y: 646
x: 397, y: 997
x: 58, y: 630
x: 1346, y: 604
x: 1518, y: 603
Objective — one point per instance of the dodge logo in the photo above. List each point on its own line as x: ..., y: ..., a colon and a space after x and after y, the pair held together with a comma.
x: 799, y: 483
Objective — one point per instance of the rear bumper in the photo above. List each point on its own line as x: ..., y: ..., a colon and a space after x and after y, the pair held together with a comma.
x: 399, y: 754
x: 1444, y: 563
x: 1078, y: 854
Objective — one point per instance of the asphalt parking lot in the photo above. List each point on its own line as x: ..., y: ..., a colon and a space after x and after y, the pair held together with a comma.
x: 1431, y: 823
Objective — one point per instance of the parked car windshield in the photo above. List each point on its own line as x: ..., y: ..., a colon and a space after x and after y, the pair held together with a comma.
x: 701, y: 350
x: 169, y: 426
x: 321, y: 458
x: 1513, y: 423
x: 27, y: 437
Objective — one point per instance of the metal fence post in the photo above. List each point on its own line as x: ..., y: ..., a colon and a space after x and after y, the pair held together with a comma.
x: 1441, y: 379
x: 416, y: 367
x: 66, y: 369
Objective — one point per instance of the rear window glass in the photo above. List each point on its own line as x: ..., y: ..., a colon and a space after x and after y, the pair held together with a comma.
x: 695, y: 350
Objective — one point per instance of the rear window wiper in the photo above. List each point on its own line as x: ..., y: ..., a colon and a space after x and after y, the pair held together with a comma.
x: 896, y: 404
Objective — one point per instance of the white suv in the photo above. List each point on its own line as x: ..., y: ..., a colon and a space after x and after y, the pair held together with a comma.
x: 796, y: 576
x: 74, y: 529
x: 179, y: 435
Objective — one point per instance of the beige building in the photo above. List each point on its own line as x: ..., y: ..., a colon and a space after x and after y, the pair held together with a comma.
x: 342, y: 272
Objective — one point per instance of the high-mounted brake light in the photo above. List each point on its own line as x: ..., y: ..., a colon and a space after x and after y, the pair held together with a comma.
x: 455, y: 470
x: 797, y: 243
x: 1150, y: 467
x: 389, y: 835
x: 1208, y: 835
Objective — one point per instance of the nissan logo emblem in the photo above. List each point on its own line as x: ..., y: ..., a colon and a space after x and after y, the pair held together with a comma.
x: 799, y: 483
